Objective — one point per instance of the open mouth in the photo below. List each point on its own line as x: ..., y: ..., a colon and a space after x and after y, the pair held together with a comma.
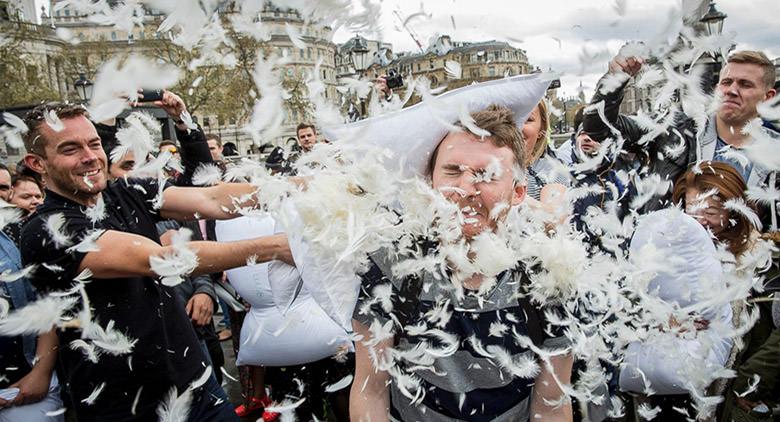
x: 90, y: 173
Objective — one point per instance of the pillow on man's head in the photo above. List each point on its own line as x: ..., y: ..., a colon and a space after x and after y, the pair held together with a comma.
x: 413, y: 133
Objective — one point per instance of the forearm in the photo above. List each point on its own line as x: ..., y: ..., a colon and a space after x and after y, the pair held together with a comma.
x: 369, y: 399
x: 217, y: 202
x: 46, y: 352
x: 369, y: 404
x: 542, y: 412
x: 220, y: 256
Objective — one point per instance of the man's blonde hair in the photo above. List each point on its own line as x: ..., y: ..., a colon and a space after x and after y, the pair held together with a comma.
x: 759, y: 59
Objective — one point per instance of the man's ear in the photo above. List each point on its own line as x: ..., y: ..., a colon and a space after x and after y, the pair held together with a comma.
x: 770, y: 94
x: 35, y: 163
x: 518, y: 194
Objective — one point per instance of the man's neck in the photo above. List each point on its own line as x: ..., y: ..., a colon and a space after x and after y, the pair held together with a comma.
x: 732, y: 133
x: 87, y: 200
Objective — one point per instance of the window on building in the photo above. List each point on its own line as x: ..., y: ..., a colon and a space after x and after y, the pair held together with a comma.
x: 302, y: 53
x: 67, y: 12
x: 418, y: 67
x: 492, y: 71
x: 308, y: 53
x: 113, y: 35
x: 475, y: 73
x: 324, y: 74
x: 434, y: 81
x: 430, y: 64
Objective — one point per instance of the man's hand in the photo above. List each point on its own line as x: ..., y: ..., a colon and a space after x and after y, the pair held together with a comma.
x: 380, y: 85
x: 200, y: 308
x: 32, y: 388
x: 628, y: 65
x: 172, y: 104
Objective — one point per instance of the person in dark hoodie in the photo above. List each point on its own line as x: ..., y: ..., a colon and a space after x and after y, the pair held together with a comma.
x: 597, y: 166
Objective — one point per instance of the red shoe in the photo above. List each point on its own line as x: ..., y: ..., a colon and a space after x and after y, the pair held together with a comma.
x: 254, y: 404
x: 269, y: 416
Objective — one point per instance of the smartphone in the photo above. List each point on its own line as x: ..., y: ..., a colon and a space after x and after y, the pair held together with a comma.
x: 150, y: 95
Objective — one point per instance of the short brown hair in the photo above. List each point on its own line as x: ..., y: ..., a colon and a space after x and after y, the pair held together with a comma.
x: 215, y: 137
x: 729, y: 184
x: 759, y: 59
x: 302, y: 126
x: 500, y: 122
x: 34, y: 142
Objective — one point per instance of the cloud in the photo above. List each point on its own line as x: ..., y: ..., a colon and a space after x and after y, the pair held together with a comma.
x: 555, y: 33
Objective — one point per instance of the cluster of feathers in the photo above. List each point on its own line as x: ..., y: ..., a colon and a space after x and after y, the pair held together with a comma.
x: 353, y: 206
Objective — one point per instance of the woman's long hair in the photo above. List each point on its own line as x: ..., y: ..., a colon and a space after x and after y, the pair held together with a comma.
x: 729, y: 184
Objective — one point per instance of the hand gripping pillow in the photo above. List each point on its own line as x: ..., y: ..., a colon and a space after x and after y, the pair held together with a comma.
x: 674, y: 364
x: 414, y: 132
x: 269, y: 338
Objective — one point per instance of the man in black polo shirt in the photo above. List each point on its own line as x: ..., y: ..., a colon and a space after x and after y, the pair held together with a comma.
x: 123, y: 290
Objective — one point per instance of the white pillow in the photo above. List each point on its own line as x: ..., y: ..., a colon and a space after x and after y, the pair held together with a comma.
x: 675, y: 363
x: 414, y: 132
x: 304, y: 333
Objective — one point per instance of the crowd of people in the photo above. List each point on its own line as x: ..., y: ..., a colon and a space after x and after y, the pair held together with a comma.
x: 112, y: 279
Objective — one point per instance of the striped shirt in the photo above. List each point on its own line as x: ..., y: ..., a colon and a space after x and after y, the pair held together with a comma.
x: 542, y: 173
x: 446, y: 374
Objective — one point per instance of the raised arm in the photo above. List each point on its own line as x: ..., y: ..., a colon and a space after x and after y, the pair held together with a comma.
x: 369, y: 399
x: 592, y: 123
x: 547, y: 395
x: 127, y: 255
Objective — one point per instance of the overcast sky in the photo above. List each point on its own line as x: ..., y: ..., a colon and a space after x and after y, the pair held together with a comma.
x: 555, y: 32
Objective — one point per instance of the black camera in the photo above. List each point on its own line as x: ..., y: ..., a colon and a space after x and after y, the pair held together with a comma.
x: 394, y: 80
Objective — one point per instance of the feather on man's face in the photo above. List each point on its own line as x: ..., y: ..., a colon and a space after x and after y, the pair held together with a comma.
x: 459, y: 173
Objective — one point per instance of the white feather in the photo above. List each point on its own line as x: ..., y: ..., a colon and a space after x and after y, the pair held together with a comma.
x: 739, y: 206
x: 55, y: 226
x: 453, y: 69
x: 90, y: 400
x: 178, y: 262
x: 37, y: 317
x: 294, y: 35
x: 207, y: 175
x: 339, y: 385
x: 201, y: 379
x: 175, y: 408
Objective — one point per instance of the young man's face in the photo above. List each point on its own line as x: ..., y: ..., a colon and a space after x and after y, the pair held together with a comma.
x: 122, y: 166
x: 5, y: 185
x: 742, y: 88
x: 27, y: 195
x: 307, y: 138
x: 587, y: 145
x: 215, y: 149
x: 460, y: 171
x: 74, y: 164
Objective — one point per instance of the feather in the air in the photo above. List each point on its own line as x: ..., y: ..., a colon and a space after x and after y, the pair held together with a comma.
x: 207, y: 175
x: 177, y: 262
x: 175, y: 407
x: 93, y: 396
x: 55, y: 226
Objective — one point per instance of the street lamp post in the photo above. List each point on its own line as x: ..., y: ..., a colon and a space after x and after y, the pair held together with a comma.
x: 358, y: 56
x: 83, y: 88
x: 713, y: 25
x: 713, y: 20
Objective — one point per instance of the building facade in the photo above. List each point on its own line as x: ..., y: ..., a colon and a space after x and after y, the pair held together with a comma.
x: 479, y: 61
x: 70, y: 44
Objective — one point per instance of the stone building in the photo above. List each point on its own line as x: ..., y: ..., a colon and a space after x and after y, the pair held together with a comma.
x: 479, y: 61
x: 86, y: 45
